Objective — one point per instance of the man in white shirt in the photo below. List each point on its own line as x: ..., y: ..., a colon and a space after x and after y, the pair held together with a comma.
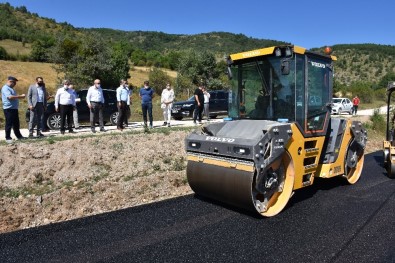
x: 65, y: 103
x: 206, y: 108
x: 95, y: 100
x: 128, y: 111
x: 123, y: 100
x: 166, y: 100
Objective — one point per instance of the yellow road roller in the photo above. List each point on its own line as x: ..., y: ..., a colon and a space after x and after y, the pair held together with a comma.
x: 279, y: 134
x: 389, y: 143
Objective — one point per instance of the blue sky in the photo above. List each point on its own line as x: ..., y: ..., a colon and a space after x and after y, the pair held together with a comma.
x: 305, y: 23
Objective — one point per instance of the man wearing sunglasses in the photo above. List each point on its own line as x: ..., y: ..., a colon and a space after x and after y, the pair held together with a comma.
x: 37, y: 100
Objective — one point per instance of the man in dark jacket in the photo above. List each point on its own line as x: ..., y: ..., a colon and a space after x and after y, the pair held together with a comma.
x: 199, y: 104
x: 146, y: 95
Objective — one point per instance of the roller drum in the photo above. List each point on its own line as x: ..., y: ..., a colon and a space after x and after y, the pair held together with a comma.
x: 223, y: 183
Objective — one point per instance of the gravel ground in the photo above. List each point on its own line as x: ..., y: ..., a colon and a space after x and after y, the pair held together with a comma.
x: 50, y: 180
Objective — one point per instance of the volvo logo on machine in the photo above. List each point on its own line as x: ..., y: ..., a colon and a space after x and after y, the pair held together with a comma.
x: 251, y: 54
x: 219, y: 139
x: 318, y: 65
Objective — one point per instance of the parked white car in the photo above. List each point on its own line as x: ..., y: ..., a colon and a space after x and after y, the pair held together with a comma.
x: 341, y: 105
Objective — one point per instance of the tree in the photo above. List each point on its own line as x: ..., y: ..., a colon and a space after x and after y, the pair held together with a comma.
x: 90, y: 58
x: 200, y: 68
x: 173, y: 59
x: 183, y: 87
x: 154, y: 58
x: 39, y: 51
x: 119, y: 64
x: 385, y: 79
x: 363, y: 91
x: 138, y: 57
x: 158, y: 79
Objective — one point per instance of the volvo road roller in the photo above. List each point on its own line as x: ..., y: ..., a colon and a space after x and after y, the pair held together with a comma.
x: 389, y: 143
x: 279, y: 134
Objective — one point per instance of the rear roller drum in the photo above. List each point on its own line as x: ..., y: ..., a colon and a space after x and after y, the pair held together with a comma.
x: 278, y: 186
x: 353, y: 165
x: 390, y: 167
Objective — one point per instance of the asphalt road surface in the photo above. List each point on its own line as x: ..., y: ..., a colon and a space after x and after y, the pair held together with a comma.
x: 327, y: 222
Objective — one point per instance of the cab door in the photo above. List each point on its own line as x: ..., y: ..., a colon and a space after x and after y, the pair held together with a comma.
x: 318, y: 93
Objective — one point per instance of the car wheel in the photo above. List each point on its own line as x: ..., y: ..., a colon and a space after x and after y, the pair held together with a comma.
x: 114, y: 118
x: 178, y: 118
x: 54, y: 121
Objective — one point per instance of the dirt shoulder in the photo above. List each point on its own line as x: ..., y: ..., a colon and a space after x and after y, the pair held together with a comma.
x: 45, y: 182
x: 56, y: 180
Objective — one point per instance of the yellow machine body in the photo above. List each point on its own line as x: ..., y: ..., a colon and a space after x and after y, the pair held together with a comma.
x: 279, y: 135
x: 389, y: 143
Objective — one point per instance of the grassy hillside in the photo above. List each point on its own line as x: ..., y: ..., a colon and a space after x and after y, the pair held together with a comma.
x: 26, y: 73
x: 363, y: 62
x: 23, y: 26
x: 356, y: 62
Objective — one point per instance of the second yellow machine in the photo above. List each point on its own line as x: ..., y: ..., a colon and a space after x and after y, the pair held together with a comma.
x: 279, y: 135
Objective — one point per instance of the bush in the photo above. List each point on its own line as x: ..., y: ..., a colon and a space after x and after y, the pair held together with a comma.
x: 3, y: 54
x: 379, y: 123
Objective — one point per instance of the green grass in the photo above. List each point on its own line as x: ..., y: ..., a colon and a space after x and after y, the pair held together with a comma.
x: 377, y: 124
x: 373, y: 105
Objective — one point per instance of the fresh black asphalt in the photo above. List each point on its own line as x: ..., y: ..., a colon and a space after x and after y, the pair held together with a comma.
x: 330, y: 221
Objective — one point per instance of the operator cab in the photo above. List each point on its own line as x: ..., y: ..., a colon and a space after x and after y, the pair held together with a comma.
x: 265, y: 86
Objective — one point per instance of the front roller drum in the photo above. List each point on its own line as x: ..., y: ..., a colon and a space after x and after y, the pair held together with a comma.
x: 233, y: 182
x: 223, y: 180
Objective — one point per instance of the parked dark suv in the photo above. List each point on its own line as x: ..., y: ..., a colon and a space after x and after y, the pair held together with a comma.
x: 110, y: 110
x: 218, y: 105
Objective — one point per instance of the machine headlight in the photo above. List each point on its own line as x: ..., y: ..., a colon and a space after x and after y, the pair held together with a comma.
x: 241, y: 150
x: 195, y: 145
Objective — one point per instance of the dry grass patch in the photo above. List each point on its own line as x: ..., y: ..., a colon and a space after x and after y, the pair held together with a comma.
x: 15, y: 48
x: 26, y: 73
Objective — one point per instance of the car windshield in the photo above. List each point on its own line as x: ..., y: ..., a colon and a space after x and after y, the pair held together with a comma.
x: 192, y: 98
x: 334, y: 100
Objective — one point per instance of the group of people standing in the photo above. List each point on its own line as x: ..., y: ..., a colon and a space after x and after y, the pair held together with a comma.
x: 65, y: 104
x: 146, y: 94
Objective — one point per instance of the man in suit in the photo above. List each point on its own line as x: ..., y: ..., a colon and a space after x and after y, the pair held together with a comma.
x: 37, y: 101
